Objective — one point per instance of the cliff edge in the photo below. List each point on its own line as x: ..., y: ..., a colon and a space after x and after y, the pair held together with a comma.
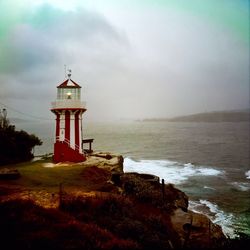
x: 193, y: 230
x: 98, y: 206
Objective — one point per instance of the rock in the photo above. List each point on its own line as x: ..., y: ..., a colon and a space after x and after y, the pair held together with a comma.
x: 104, y: 172
x: 103, y: 155
x: 9, y: 174
x: 196, y: 229
x: 150, y: 178
x: 181, y: 200
x: 116, y: 178
x: 111, y: 162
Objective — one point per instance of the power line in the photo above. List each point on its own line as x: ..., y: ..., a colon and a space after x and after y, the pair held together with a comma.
x: 25, y: 114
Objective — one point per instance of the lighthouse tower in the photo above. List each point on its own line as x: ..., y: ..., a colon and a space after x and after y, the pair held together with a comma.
x: 68, y: 109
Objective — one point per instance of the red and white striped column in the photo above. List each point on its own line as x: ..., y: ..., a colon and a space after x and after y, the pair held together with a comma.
x: 69, y: 128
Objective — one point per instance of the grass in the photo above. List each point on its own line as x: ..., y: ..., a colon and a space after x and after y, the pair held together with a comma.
x: 35, y: 176
x: 42, y: 184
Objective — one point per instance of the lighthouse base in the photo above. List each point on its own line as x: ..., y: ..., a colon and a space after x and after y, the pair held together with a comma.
x: 63, y: 153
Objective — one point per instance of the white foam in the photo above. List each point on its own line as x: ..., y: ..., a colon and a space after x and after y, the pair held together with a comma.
x: 172, y: 172
x: 241, y: 186
x: 206, y: 187
x: 208, y: 172
x: 248, y: 174
x: 216, y: 215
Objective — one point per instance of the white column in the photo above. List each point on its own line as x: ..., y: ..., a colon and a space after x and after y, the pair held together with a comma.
x: 80, y: 132
x: 55, y: 139
x: 62, y: 126
x: 72, y: 129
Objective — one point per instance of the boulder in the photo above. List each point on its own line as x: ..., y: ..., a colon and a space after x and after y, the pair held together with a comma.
x: 196, y: 229
x: 9, y: 174
x: 193, y: 230
x: 111, y: 162
x: 181, y: 200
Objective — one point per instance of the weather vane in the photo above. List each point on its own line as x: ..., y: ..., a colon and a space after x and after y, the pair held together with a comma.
x: 69, y: 71
x: 69, y: 74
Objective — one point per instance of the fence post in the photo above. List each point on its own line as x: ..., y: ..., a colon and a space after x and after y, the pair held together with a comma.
x: 60, y: 194
x: 163, y: 188
x: 209, y: 233
x: 188, y: 232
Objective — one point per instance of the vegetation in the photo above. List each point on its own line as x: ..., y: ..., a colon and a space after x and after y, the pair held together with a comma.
x: 25, y: 225
x: 139, y: 223
x: 145, y: 192
x: 102, y: 222
x: 15, y: 146
x: 134, y: 215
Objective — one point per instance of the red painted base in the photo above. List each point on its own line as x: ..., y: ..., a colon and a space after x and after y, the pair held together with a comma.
x: 62, y: 153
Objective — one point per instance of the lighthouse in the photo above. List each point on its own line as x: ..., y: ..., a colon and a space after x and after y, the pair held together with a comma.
x: 69, y: 110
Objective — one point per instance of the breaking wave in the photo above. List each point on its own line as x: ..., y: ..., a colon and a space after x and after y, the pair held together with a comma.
x: 170, y: 171
x: 216, y: 215
x: 241, y: 186
x: 248, y: 174
x: 177, y: 173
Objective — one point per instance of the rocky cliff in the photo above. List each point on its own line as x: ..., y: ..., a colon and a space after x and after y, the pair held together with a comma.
x: 194, y: 230
x: 99, y: 205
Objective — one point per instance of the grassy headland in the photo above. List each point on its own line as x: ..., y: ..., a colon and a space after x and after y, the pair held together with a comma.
x: 93, y: 210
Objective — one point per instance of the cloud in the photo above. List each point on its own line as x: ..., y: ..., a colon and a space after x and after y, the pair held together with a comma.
x: 132, y: 63
x: 35, y: 50
x: 49, y: 34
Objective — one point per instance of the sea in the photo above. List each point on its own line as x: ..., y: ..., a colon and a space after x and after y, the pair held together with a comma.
x: 210, y: 162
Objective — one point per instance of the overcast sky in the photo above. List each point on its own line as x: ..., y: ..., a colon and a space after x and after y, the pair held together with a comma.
x: 134, y: 59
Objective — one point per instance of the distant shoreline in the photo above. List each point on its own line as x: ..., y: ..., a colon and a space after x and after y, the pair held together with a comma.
x: 218, y: 116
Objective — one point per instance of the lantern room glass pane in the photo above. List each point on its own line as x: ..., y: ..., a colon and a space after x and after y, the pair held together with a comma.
x: 64, y: 93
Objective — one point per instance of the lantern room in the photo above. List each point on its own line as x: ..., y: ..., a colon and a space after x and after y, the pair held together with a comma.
x: 68, y: 91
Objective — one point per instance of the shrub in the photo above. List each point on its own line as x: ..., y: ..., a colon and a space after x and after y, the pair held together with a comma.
x: 16, y: 146
x: 125, y: 219
x: 25, y: 225
x: 144, y: 191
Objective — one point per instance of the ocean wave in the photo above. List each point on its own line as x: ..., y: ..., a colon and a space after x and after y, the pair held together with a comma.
x: 216, y: 215
x: 241, y: 186
x: 177, y: 173
x: 170, y: 171
x: 206, y: 187
x: 248, y: 174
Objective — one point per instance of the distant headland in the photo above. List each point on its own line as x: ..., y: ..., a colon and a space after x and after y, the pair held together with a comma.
x: 215, y: 116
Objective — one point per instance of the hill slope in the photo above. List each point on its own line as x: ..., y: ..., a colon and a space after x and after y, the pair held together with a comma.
x: 218, y: 116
